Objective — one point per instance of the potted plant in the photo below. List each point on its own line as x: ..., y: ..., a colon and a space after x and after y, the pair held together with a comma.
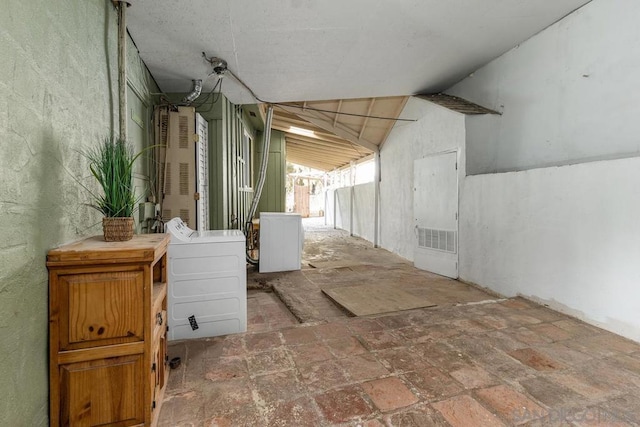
x: 111, y: 163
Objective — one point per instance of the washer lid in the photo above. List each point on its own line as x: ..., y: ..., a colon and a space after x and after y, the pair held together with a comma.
x: 217, y: 236
x: 181, y: 234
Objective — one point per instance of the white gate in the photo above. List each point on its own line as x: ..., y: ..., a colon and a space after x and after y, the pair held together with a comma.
x: 435, y: 208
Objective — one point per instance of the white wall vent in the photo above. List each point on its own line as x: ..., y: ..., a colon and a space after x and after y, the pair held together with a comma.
x: 441, y: 240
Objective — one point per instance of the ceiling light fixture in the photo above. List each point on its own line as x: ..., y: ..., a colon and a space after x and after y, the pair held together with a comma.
x: 301, y: 131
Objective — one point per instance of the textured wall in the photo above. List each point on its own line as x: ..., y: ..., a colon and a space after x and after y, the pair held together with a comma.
x: 568, y: 235
x: 363, y: 207
x: 58, y: 95
x: 564, y: 94
x: 436, y: 130
x: 273, y: 195
x: 342, y: 206
x: 227, y: 203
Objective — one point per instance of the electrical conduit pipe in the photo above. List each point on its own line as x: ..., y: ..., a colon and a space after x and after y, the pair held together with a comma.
x: 261, y: 178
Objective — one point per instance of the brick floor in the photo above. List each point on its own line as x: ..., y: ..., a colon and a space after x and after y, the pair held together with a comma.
x: 473, y: 377
x: 342, y: 405
x: 511, y: 405
x: 389, y: 393
x: 464, y: 411
x: 500, y: 362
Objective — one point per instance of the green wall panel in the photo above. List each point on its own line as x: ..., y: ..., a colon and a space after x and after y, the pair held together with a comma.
x: 273, y: 197
x: 58, y: 96
x: 228, y: 123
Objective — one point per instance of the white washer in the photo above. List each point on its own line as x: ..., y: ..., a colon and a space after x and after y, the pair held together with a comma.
x: 207, y: 282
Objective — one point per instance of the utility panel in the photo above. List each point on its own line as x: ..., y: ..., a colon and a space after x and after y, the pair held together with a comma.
x: 182, y: 174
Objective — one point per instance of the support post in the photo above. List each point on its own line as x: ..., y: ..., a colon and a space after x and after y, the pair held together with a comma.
x: 376, y: 198
x: 352, y: 183
x: 326, y: 197
x: 335, y: 207
x: 352, y: 197
x: 122, y: 67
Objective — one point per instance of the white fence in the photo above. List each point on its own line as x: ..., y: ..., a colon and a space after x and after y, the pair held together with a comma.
x: 352, y: 209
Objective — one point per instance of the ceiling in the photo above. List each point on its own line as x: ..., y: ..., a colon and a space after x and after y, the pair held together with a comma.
x: 316, y: 50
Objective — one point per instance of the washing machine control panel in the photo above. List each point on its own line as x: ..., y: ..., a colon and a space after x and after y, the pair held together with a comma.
x: 179, y: 229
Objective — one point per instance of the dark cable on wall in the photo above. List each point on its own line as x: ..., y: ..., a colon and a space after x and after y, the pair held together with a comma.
x: 215, y: 98
x: 206, y: 98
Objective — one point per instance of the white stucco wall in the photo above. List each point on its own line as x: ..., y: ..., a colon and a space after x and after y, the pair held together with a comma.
x: 436, y: 130
x: 363, y: 206
x: 340, y: 203
x: 363, y: 209
x: 566, y: 95
x: 567, y: 236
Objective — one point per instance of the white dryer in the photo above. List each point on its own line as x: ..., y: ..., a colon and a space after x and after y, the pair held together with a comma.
x: 207, y: 282
x: 281, y: 241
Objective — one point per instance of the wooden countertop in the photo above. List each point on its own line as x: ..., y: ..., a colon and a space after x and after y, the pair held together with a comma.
x: 94, y: 250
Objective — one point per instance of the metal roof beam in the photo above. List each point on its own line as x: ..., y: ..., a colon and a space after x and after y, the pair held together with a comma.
x: 321, y: 142
x: 366, y: 119
x: 335, y: 119
x: 340, y: 130
x: 397, y: 114
x: 316, y: 164
x: 284, y: 127
x: 322, y: 152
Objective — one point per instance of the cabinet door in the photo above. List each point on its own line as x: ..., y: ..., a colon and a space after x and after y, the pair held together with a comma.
x: 158, y: 375
x: 101, y: 308
x: 103, y: 392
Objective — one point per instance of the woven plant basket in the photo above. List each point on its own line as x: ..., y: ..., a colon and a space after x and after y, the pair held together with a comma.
x: 117, y: 229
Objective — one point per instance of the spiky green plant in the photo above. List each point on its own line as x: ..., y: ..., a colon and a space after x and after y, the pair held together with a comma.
x: 111, y: 163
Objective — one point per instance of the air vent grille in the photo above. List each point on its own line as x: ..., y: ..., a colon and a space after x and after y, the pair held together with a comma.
x: 164, y: 127
x: 184, y: 215
x: 184, y: 179
x: 442, y: 240
x: 167, y: 178
x: 183, y: 128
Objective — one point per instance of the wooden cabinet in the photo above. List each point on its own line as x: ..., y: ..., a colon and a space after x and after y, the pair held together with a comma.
x: 107, y: 331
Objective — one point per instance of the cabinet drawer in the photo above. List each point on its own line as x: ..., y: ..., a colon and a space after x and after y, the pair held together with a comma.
x: 100, y: 308
x: 103, y: 392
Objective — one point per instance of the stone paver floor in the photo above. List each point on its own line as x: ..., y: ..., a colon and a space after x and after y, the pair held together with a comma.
x: 490, y: 363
